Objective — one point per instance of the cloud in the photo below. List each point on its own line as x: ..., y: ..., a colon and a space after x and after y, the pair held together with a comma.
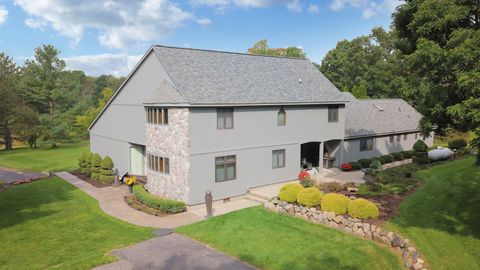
x: 119, y: 23
x: 370, y: 8
x: 312, y: 8
x: 204, y: 21
x: 292, y: 5
x: 108, y: 64
x: 3, y: 14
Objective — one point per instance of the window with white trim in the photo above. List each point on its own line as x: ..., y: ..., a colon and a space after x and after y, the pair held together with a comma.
x: 158, y: 116
x: 158, y: 164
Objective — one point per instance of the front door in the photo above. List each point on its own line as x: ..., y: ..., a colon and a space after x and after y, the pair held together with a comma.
x: 137, y: 158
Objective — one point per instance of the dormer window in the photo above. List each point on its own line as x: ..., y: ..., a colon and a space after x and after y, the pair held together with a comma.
x: 281, y: 117
x: 332, y: 114
x: 158, y: 116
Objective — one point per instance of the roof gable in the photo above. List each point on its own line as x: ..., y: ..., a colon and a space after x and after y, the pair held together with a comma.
x: 380, y: 116
x: 213, y: 77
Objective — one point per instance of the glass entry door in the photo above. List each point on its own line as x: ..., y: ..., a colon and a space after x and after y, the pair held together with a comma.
x: 137, y: 159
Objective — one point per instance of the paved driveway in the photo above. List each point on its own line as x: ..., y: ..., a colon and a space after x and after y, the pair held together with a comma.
x: 9, y: 175
x: 173, y: 251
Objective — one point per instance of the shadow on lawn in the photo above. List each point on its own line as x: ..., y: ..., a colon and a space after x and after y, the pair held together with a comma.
x: 23, y: 203
x: 449, y: 201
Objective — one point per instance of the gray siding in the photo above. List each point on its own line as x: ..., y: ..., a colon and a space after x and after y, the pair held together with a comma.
x: 254, y: 136
x: 381, y: 146
x: 123, y: 121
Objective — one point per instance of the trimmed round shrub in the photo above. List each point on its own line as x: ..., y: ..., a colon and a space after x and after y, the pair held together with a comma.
x: 106, y: 172
x: 365, y: 162
x: 88, y: 164
x: 96, y: 166
x: 407, y: 154
x: 397, y: 156
x: 82, y: 162
x: 420, y: 146
x: 457, y: 144
x: 362, y: 208
x: 388, y: 158
x: 356, y: 166
x: 334, y: 202
x: 289, y: 192
x: 309, y: 197
x: 159, y: 203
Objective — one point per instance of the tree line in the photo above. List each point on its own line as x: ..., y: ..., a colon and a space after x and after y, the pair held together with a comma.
x: 43, y: 102
x: 430, y: 57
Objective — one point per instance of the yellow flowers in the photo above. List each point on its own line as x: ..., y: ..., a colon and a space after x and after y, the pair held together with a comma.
x: 130, y: 180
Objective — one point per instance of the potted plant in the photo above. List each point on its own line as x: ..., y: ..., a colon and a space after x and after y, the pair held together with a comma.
x: 372, y: 171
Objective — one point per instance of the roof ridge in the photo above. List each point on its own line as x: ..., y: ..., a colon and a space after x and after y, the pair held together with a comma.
x: 230, y: 52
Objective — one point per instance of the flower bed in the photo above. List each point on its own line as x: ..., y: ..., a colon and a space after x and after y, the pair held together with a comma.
x: 410, y: 255
x: 162, y: 204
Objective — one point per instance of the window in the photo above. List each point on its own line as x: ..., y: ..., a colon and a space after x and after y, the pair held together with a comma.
x: 416, y: 136
x: 225, y: 168
x: 391, y: 138
x: 281, y: 118
x: 405, y: 136
x: 332, y: 114
x: 158, y: 116
x: 398, y: 138
x: 224, y: 118
x: 278, y: 158
x: 158, y: 164
x: 366, y: 145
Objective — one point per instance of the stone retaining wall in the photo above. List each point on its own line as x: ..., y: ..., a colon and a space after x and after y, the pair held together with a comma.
x: 410, y: 256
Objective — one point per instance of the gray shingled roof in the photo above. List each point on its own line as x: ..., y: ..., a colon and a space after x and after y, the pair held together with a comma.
x: 165, y: 93
x: 214, y: 77
x: 363, y: 118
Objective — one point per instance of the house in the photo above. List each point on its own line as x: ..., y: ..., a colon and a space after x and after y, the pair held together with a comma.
x: 195, y: 120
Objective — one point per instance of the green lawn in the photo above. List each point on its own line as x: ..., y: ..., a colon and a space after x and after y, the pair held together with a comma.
x: 274, y: 241
x: 63, y: 157
x: 50, y: 224
x: 443, y: 216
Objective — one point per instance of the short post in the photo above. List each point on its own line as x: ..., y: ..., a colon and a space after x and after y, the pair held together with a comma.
x: 116, y: 179
x: 208, y: 203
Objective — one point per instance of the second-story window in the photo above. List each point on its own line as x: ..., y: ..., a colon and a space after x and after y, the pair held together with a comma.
x: 405, y: 136
x: 158, y: 116
x: 224, y: 118
x: 281, y: 117
x: 332, y: 114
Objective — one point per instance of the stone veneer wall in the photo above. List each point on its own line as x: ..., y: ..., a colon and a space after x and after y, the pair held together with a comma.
x: 410, y: 256
x: 170, y: 141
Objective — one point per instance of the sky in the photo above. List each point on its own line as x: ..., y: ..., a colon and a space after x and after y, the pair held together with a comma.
x: 109, y: 37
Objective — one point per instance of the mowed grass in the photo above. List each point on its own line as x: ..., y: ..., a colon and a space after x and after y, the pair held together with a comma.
x: 50, y: 224
x: 443, y: 217
x: 63, y: 157
x: 273, y: 241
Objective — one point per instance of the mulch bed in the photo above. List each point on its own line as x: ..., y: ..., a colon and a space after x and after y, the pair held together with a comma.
x: 87, y: 179
x: 389, y: 204
x: 136, y: 204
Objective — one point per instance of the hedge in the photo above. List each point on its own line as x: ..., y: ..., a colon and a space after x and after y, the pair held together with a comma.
x: 289, y: 192
x: 407, y: 154
x: 309, y: 197
x: 356, y: 165
x: 162, y: 204
x: 397, y: 156
x: 388, y: 158
x: 334, y: 202
x: 457, y: 144
x: 362, y: 208
x: 365, y: 162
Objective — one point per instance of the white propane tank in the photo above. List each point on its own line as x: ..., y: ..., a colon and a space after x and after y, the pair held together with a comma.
x: 440, y: 154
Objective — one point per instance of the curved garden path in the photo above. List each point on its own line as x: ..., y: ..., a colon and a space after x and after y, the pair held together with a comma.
x: 111, y: 201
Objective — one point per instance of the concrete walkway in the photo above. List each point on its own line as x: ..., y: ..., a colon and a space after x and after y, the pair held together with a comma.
x: 11, y: 175
x: 111, y: 201
x: 172, y: 251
